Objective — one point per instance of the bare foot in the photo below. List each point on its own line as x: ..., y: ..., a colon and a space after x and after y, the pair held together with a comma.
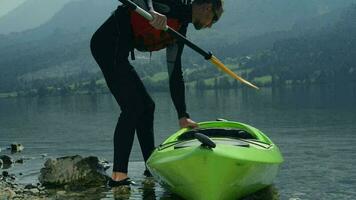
x: 118, y: 176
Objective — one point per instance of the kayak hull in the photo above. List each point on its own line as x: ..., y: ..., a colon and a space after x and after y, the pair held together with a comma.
x: 228, y: 171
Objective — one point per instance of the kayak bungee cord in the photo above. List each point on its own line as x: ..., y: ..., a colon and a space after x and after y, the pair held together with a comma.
x: 207, y: 55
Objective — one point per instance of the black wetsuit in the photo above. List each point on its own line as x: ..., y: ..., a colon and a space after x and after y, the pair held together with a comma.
x: 110, y: 46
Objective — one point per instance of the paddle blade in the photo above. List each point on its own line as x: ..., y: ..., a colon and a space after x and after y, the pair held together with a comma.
x: 221, y: 66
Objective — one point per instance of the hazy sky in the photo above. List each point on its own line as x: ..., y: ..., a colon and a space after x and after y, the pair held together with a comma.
x: 7, y: 5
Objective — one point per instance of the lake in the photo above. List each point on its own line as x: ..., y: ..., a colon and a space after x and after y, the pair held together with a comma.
x: 314, y: 127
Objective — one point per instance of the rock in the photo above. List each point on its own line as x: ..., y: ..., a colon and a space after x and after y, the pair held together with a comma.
x: 105, y: 164
x: 5, y: 174
x: 16, y: 147
x: 41, y: 188
x: 44, y: 155
x: 14, y: 185
x: 34, y: 191
x: 10, y: 193
x: 19, y: 161
x: 73, y: 170
x: 12, y: 177
x: 30, y: 186
x: 6, y: 161
x: 61, y: 193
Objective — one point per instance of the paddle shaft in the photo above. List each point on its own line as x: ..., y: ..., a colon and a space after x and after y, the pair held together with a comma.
x: 175, y: 34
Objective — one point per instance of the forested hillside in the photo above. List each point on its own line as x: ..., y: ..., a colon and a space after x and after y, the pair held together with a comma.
x: 327, y: 55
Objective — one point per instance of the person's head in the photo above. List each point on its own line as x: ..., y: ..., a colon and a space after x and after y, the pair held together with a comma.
x: 206, y: 12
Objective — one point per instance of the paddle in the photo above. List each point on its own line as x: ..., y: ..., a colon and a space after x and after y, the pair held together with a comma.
x: 206, y: 55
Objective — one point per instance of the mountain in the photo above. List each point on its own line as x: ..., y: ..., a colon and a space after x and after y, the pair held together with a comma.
x: 30, y: 14
x: 60, y: 47
x: 322, y: 56
x: 243, y: 19
x: 61, y: 43
x: 302, y: 27
x: 8, y: 5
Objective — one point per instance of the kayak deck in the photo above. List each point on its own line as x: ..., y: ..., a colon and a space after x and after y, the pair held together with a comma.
x: 243, y: 161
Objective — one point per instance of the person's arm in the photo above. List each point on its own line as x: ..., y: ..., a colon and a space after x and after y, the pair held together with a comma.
x: 176, y: 82
x: 159, y: 20
x: 150, y: 5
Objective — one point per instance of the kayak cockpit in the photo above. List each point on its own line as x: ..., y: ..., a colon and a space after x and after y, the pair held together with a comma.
x: 218, y: 141
x: 217, y: 133
x: 220, y: 136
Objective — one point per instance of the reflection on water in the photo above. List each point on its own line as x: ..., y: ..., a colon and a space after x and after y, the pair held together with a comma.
x: 314, y: 128
x: 146, y: 190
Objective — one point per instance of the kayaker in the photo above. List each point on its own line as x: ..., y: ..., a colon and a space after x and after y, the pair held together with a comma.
x: 111, y: 45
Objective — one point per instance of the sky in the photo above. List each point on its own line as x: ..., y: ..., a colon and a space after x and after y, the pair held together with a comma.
x: 8, y: 5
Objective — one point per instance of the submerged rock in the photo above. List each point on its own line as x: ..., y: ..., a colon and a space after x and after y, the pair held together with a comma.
x: 10, y: 189
x: 20, y: 161
x: 44, y: 155
x: 7, y: 193
x: 30, y: 186
x: 15, y: 147
x: 73, y: 171
x: 5, y: 174
x: 6, y: 161
x: 8, y: 177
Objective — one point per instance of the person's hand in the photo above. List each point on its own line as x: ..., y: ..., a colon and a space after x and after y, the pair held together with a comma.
x: 186, y: 122
x: 159, y: 21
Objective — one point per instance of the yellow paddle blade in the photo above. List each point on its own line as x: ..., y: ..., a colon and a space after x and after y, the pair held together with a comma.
x: 221, y: 66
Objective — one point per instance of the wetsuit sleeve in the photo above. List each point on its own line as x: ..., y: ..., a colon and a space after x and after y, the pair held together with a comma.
x: 150, y: 5
x: 176, y: 81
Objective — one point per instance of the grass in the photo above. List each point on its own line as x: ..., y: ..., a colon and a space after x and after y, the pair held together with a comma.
x: 9, y: 94
x: 159, y: 77
x: 263, y: 80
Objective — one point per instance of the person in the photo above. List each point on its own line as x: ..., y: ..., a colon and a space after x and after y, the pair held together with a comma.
x: 111, y: 45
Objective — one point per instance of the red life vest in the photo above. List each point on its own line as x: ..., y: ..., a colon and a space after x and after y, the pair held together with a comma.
x: 147, y: 38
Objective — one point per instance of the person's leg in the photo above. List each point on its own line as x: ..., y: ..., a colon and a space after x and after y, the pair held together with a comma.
x: 144, y: 128
x: 131, y: 100
x: 145, y: 132
x: 111, y: 50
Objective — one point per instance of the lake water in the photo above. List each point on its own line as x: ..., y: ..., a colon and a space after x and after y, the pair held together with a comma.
x: 315, y: 129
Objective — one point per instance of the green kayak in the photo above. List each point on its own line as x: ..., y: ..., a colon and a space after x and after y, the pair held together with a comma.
x: 217, y: 161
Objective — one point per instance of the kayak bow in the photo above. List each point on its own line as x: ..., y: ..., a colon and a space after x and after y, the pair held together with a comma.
x: 218, y: 161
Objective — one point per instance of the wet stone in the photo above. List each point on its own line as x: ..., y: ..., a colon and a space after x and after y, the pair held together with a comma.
x: 73, y: 171
x: 5, y: 174
x: 30, y: 186
x: 16, y: 147
x: 61, y: 193
x: 34, y: 191
x: 9, y: 193
x: 6, y: 160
